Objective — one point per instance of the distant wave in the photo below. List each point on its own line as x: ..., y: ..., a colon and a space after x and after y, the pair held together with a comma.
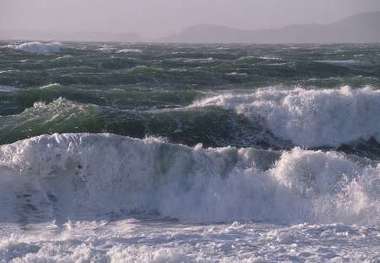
x: 38, y: 47
x: 7, y: 89
x: 130, y: 50
x: 88, y: 175
x: 310, y: 117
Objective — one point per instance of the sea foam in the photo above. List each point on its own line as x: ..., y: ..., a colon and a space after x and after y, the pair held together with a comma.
x: 310, y: 117
x: 87, y: 175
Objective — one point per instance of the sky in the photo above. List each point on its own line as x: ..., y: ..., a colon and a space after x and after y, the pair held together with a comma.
x: 157, y: 18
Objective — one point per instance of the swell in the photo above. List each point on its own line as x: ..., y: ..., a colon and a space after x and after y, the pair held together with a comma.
x: 178, y: 67
x: 121, y: 97
x: 72, y: 176
x: 210, y: 122
x: 211, y: 126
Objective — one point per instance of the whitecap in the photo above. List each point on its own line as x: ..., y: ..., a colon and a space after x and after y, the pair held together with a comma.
x: 38, y: 47
x: 310, y: 117
x: 130, y: 50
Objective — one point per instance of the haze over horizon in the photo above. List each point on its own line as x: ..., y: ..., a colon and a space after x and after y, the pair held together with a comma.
x: 156, y: 19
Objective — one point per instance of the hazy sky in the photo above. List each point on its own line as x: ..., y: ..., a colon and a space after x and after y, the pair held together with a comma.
x: 156, y: 18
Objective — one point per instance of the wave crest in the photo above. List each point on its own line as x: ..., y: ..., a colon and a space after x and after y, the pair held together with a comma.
x: 310, y: 118
x: 38, y: 47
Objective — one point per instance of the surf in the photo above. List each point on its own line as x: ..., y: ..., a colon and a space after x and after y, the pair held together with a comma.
x: 83, y: 176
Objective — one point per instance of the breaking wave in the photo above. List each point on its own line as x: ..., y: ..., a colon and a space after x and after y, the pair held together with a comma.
x: 310, y: 117
x: 73, y: 176
x: 38, y: 47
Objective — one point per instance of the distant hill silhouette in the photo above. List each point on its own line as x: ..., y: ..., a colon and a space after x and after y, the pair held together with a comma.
x: 361, y: 28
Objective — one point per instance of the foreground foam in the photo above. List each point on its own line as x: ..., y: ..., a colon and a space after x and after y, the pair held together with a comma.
x: 310, y: 118
x: 131, y: 240
x: 87, y: 175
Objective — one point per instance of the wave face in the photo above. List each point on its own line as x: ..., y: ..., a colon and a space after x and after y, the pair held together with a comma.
x: 38, y: 47
x: 73, y: 176
x: 211, y: 126
x: 310, y: 117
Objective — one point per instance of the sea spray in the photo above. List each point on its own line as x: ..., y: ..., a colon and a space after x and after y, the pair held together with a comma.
x: 84, y: 175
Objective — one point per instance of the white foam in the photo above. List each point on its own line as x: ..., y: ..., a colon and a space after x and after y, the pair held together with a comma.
x: 38, y: 47
x: 237, y: 74
x: 132, y: 240
x: 106, y: 48
x: 269, y: 58
x: 130, y: 50
x: 310, y: 118
x: 84, y: 175
x: 51, y: 85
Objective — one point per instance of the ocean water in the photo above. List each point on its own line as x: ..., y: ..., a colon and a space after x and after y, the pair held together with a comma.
x: 189, y: 153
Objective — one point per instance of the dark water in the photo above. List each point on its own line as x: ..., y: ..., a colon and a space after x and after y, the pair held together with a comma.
x: 144, y: 90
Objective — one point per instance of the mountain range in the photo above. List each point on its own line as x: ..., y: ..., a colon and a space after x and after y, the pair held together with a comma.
x: 361, y: 28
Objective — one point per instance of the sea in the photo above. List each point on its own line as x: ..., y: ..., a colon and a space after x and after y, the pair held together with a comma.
x: 146, y: 152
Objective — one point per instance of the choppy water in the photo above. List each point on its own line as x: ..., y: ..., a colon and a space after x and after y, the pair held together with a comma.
x: 251, y: 152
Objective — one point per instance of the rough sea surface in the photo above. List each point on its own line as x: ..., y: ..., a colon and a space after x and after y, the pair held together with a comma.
x: 189, y: 153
